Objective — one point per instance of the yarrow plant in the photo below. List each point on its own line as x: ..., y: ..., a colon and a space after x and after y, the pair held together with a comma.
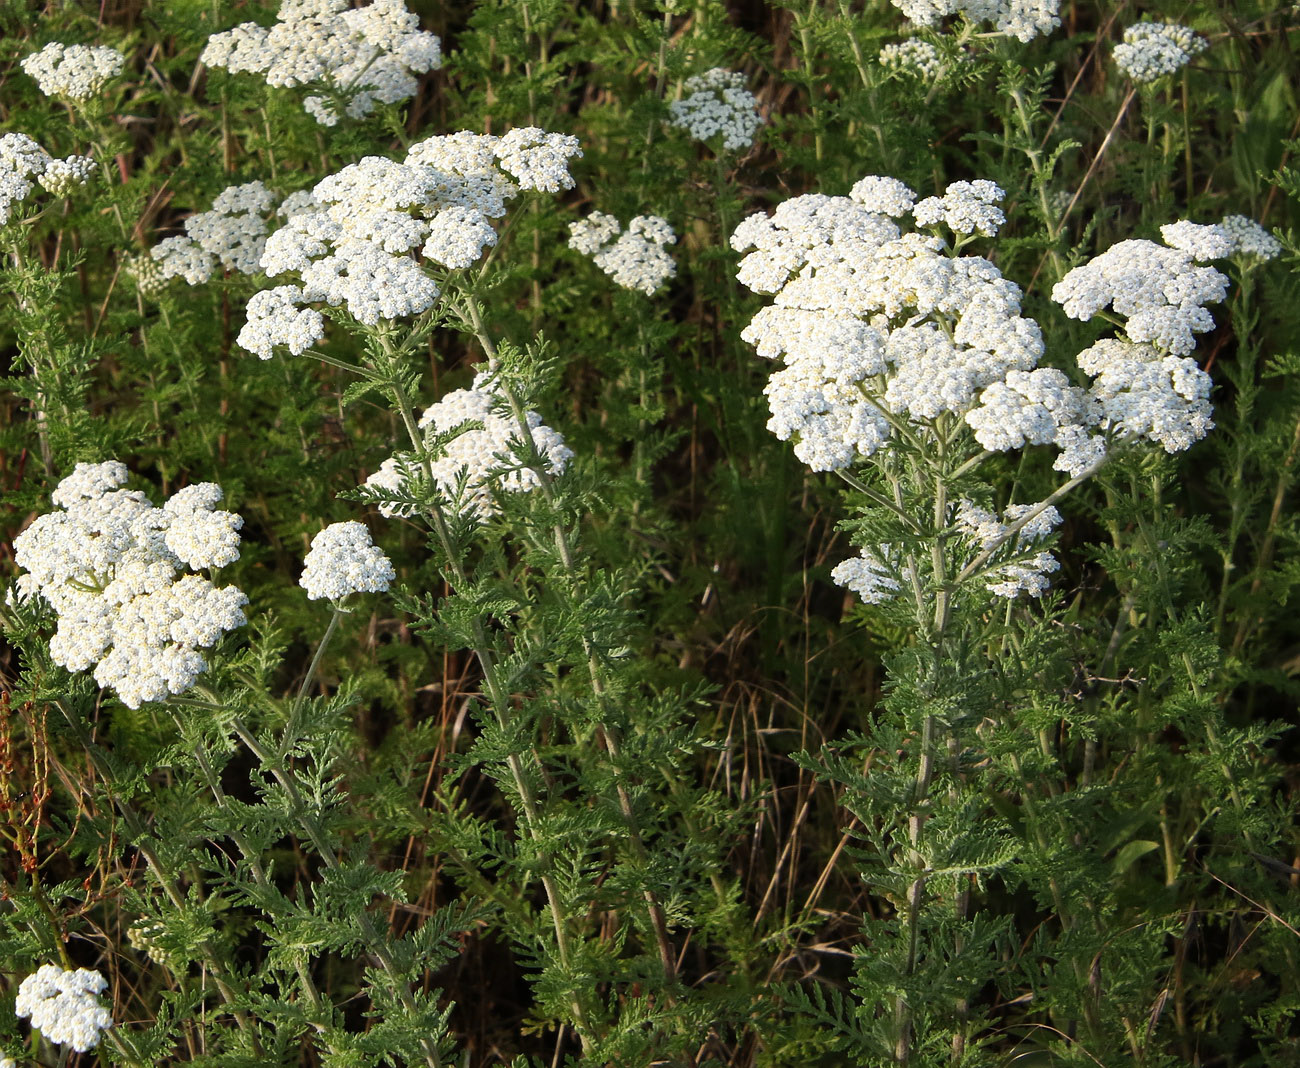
x: 232, y: 233
x: 343, y: 560
x: 816, y: 588
x: 113, y: 568
x: 359, y: 57
x: 913, y: 58
x: 636, y: 258
x: 479, y: 454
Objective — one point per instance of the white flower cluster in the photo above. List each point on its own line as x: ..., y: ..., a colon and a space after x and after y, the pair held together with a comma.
x: 1022, y: 19
x: 718, y: 104
x: 1139, y: 392
x: 484, y: 457
x: 874, y: 325
x: 109, y: 563
x: 638, y: 259
x: 63, y: 1007
x: 913, y: 57
x: 1159, y: 290
x: 344, y: 560
x: 232, y: 233
x: 964, y: 208
x: 22, y: 159
x: 1249, y: 238
x: 1154, y: 49
x: 77, y: 72
x: 352, y: 245
x: 1015, y: 567
x: 1235, y: 235
x: 1028, y: 571
x: 368, y: 55
x: 873, y: 576
x: 1145, y: 385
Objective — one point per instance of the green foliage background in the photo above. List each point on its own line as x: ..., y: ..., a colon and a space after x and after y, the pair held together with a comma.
x: 664, y: 827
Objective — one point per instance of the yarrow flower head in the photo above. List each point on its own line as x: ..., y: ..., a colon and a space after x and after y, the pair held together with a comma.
x: 1022, y: 19
x: 1249, y: 239
x: 1154, y: 49
x: 874, y: 325
x: 1140, y: 392
x: 232, y: 233
x: 365, y: 56
x: 718, y: 104
x: 486, y: 455
x: 343, y: 560
x: 22, y: 159
x: 1159, y: 290
x: 638, y: 259
x: 964, y: 208
x: 63, y: 1007
x: 77, y: 72
x: 111, y: 565
x: 351, y: 240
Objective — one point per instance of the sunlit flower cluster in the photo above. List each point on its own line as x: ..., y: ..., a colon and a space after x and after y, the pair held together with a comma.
x: 1159, y: 290
x: 111, y: 565
x: 964, y: 208
x: 353, y: 244
x: 1234, y: 235
x: 63, y: 1007
x: 232, y: 233
x: 1022, y: 19
x: 77, y: 72
x: 361, y: 57
x: 874, y: 325
x: 487, y: 455
x: 873, y: 574
x: 344, y: 560
x: 718, y: 104
x: 1153, y: 49
x: 24, y: 163
x: 636, y: 258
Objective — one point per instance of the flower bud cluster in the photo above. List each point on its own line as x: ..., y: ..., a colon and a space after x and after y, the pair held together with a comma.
x: 718, y: 104
x: 22, y: 159
x: 354, y: 243
x: 111, y: 565
x: 1153, y: 49
x: 367, y: 56
x: 344, y: 560
x: 145, y: 936
x: 913, y: 58
x: 638, y: 259
x: 77, y: 72
x: 1022, y: 19
x: 63, y: 1006
x: 487, y: 455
